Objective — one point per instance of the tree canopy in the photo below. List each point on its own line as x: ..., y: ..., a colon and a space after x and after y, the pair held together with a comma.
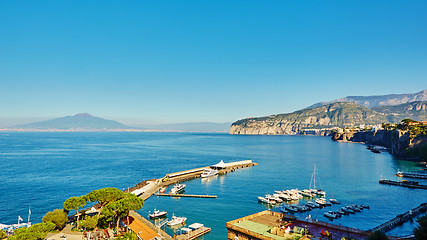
x: 420, y: 232
x: 35, y: 232
x: 74, y: 203
x: 105, y: 196
x: 58, y: 217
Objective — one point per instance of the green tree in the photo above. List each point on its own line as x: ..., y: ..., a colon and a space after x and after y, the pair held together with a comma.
x: 128, y: 236
x: 121, y: 208
x: 420, y: 232
x: 89, y: 223
x: 105, y: 196
x: 35, y: 232
x: 2, y: 234
x: 377, y: 235
x: 58, y: 217
x: 74, y: 203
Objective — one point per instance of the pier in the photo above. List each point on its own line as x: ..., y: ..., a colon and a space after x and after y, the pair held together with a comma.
x: 412, y: 175
x: 185, y: 195
x: 404, y: 183
x: 154, y: 185
x: 400, y: 219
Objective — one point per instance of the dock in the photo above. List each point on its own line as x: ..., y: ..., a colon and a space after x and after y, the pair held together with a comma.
x: 400, y: 219
x: 193, y: 234
x: 404, y: 183
x: 185, y: 195
x: 154, y: 185
x: 411, y: 175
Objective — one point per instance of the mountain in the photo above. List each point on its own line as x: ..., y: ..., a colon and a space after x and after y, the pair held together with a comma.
x: 192, y: 127
x: 380, y: 100
x: 81, y: 121
x: 324, y: 118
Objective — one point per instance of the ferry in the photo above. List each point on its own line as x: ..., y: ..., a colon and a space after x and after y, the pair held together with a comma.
x: 209, y: 173
x: 178, y: 188
x: 176, y: 220
x: 158, y: 214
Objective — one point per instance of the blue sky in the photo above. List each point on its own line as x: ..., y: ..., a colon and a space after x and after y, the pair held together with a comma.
x: 189, y: 61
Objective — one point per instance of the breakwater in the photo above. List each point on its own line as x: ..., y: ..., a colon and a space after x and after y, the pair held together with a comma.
x: 401, y: 218
x: 409, y: 184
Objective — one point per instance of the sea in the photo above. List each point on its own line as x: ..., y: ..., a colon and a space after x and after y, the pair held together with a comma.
x: 40, y: 170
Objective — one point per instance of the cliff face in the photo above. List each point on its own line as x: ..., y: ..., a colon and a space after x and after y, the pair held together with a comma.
x: 323, y: 119
x: 399, y: 142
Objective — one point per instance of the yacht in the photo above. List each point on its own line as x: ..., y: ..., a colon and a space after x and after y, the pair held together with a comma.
x: 176, y: 220
x: 178, y: 188
x: 209, y: 173
x: 334, y: 201
x: 266, y: 200
x: 158, y: 214
x: 291, y: 208
x: 312, y: 204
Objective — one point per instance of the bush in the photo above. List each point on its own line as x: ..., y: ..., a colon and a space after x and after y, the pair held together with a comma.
x: 89, y: 223
x: 35, y: 232
x: 58, y: 217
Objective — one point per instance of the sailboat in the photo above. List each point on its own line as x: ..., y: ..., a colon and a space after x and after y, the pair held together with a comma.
x: 313, y: 189
x: 20, y: 224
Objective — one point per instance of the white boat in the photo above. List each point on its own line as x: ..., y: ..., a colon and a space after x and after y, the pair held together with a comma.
x: 209, y: 173
x: 313, y: 189
x: 158, y: 214
x: 307, y: 193
x: 176, y: 220
x: 178, y: 188
x: 312, y: 204
x: 266, y: 200
x: 334, y: 201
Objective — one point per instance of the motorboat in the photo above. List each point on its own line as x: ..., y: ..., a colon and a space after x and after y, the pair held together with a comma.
x: 331, y: 215
x: 364, y: 206
x: 327, y: 203
x: 347, y: 210
x: 176, y: 220
x: 302, y: 208
x: 334, y: 201
x: 265, y: 200
x: 312, y: 204
x: 306, y: 193
x: 158, y: 214
x: 341, y: 212
x: 291, y: 208
x: 209, y: 173
x: 276, y: 197
x: 162, y: 190
x: 178, y: 188
x: 284, y: 210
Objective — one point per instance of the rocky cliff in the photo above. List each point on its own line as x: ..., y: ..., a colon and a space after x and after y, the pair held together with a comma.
x: 322, y: 120
x: 399, y: 142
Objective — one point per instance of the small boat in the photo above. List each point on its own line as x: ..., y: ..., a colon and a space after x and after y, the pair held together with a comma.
x: 265, y: 200
x: 284, y: 210
x: 331, y: 215
x: 364, y: 206
x: 291, y: 208
x: 306, y: 193
x: 176, y: 220
x: 158, y: 214
x: 285, y: 197
x: 209, y: 173
x: 312, y: 204
x: 355, y: 208
x: 276, y: 198
x: 347, y: 210
x: 178, y: 188
x: 341, y: 212
x: 162, y: 190
x: 327, y: 203
x: 302, y: 208
x: 334, y: 201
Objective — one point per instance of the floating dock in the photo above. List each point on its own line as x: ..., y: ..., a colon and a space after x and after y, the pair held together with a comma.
x: 185, y: 195
x: 404, y: 183
x: 400, y: 219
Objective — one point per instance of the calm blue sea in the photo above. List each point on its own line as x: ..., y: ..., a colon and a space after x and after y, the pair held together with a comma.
x: 41, y: 170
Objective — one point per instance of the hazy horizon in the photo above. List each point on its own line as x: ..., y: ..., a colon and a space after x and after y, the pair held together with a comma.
x: 177, y: 62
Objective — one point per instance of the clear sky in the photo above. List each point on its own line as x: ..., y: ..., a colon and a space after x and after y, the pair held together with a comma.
x: 190, y: 61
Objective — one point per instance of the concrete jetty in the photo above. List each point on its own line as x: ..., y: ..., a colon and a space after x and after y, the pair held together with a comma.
x: 404, y: 183
x: 154, y: 185
x: 401, y: 218
x: 185, y: 195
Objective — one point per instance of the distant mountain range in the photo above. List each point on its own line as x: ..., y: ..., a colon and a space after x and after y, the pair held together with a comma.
x: 380, y: 100
x: 87, y: 122
x: 78, y: 122
x: 338, y: 113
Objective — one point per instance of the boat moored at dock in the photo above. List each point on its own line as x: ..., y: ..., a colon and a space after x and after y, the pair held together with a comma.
x: 158, y: 214
x: 209, y: 173
x: 178, y: 188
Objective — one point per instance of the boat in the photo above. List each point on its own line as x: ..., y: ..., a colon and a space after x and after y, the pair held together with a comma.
x: 327, y: 203
x: 176, y: 220
x: 302, y: 208
x: 312, y: 204
x: 178, y: 188
x: 364, y: 206
x: 313, y: 189
x: 276, y: 198
x: 265, y: 200
x: 158, y: 214
x: 334, y: 201
x: 331, y: 215
x: 162, y: 190
x: 291, y: 208
x: 347, y: 210
x: 209, y: 173
x: 306, y: 193
x: 284, y: 210
x: 341, y: 212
